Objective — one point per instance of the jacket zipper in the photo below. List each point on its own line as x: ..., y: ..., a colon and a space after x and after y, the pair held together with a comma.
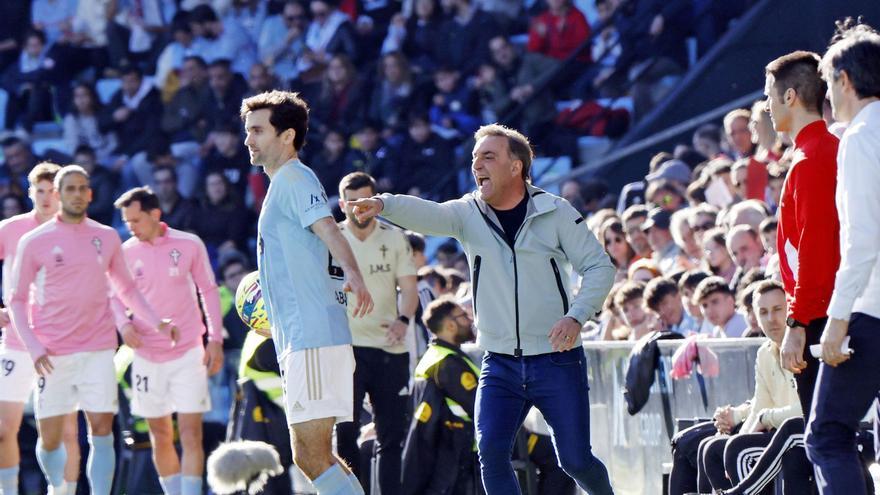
x: 560, y: 286
x: 477, y: 260
x: 518, y: 351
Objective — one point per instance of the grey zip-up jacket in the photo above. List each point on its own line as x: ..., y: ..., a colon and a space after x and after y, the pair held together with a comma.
x: 519, y: 293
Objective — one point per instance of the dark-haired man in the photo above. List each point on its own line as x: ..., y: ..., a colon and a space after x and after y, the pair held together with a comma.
x: 848, y: 383
x: 303, y: 259
x: 381, y: 339
x: 517, y: 237
x: 165, y: 264
x: 807, y: 232
x: 718, y: 306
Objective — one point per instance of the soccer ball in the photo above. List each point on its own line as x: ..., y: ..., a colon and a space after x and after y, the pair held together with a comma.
x: 250, y: 305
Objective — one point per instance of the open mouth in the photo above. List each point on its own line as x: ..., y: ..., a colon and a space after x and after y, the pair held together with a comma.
x: 482, y: 180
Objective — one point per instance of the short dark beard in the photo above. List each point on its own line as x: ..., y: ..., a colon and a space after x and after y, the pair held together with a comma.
x: 361, y: 225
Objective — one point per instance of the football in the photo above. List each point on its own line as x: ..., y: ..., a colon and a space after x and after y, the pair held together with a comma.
x: 250, y: 306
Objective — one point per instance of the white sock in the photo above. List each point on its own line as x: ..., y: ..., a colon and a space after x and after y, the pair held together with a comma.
x: 170, y: 484
x: 191, y: 485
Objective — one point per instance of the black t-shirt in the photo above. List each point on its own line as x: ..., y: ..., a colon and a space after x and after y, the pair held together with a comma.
x: 512, y: 219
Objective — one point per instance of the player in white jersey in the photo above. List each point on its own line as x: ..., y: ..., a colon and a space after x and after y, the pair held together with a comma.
x: 17, y: 375
x: 298, y: 247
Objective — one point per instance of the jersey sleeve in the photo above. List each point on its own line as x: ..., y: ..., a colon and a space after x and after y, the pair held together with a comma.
x: 458, y: 382
x: 306, y: 199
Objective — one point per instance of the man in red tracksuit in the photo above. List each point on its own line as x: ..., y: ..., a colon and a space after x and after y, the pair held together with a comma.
x: 808, y: 245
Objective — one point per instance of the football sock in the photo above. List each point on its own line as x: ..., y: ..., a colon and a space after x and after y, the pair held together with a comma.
x: 52, y: 463
x: 9, y: 480
x: 170, y: 484
x: 192, y: 485
x: 102, y: 463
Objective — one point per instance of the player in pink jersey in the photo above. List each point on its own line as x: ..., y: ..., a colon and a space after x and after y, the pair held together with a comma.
x: 17, y: 375
x: 168, y: 265
x: 70, y: 332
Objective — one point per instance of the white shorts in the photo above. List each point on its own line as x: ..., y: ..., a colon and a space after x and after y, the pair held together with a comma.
x: 84, y: 381
x: 179, y: 385
x: 318, y: 383
x: 17, y: 375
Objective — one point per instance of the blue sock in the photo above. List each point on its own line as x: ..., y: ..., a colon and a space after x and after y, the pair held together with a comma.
x: 9, y: 480
x: 191, y: 485
x: 333, y: 481
x: 170, y: 484
x: 52, y: 463
x: 102, y: 463
x: 355, y: 484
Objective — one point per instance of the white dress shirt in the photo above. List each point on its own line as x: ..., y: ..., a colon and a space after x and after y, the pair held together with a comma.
x: 857, y: 287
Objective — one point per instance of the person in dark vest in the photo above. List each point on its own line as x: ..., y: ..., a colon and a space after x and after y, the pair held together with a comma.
x: 440, y: 454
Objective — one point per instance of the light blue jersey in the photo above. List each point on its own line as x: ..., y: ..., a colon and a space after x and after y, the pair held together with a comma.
x: 302, y: 287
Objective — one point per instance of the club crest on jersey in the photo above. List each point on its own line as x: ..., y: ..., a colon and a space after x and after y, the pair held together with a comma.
x: 175, y: 260
x: 58, y: 255
x: 97, y: 243
x: 139, y: 269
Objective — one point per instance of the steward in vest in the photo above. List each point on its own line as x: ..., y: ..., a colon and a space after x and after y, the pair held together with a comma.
x: 440, y: 453
x: 259, y: 410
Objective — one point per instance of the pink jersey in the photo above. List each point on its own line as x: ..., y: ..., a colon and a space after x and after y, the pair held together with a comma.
x: 69, y: 265
x: 168, y: 271
x: 11, y: 231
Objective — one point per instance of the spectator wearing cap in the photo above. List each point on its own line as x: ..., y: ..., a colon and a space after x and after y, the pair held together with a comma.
x: 666, y: 194
x: 223, y: 39
x: 666, y: 253
x: 282, y: 40
x: 718, y: 306
x: 674, y: 170
x: 662, y: 298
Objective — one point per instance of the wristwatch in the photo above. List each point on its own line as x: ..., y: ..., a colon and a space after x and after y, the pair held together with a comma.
x: 404, y: 319
x: 791, y: 323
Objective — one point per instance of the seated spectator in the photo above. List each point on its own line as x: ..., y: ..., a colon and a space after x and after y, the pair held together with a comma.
x: 417, y: 36
x: 559, y: 31
x: 643, y: 270
x: 282, y: 40
x: 464, y: 36
x: 19, y: 159
x: 81, y: 125
x: 188, y: 117
x: 707, y: 141
x: 718, y: 306
x: 374, y: 156
x: 621, y: 253
x: 687, y: 284
x: 572, y: 191
x: 701, y: 219
x: 749, y: 212
x: 227, y: 90
x: 135, y: 31
x: 736, y: 130
x: 665, y: 194
x: 392, y: 92
x: 177, y: 211
x: 511, y: 78
x: 454, y: 106
x: 330, y: 33
x: 332, y: 163
x: 133, y: 114
x: 261, y: 80
x: 223, y: 40
x: 683, y: 235
x: 175, y: 53
x: 746, y: 250
x: 629, y: 302
x: 744, y: 301
x: 739, y: 428
x: 249, y: 14
x: 53, y: 17
x: 11, y: 205
x: 221, y: 202
x: 768, y: 230
x: 663, y: 299
x: 633, y: 218
x: 716, y: 255
x: 340, y: 101
x: 426, y: 163
x: 28, y: 84
x: 102, y: 181
x: 666, y: 253
x: 228, y: 157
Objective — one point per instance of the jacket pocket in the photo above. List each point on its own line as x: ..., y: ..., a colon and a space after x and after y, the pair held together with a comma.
x: 559, y: 285
x: 476, y: 281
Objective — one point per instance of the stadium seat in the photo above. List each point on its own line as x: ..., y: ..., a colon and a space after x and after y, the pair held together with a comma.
x: 106, y: 88
x: 4, y: 97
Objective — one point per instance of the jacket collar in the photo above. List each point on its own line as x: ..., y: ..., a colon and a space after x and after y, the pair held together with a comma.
x: 540, y: 202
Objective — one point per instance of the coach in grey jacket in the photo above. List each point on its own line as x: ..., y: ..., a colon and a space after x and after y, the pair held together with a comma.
x: 521, y: 243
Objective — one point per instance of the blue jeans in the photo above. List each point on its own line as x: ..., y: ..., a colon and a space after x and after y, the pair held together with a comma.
x: 556, y: 384
x: 840, y: 401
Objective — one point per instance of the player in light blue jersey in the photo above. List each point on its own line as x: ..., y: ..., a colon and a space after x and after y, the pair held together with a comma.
x: 306, y: 267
